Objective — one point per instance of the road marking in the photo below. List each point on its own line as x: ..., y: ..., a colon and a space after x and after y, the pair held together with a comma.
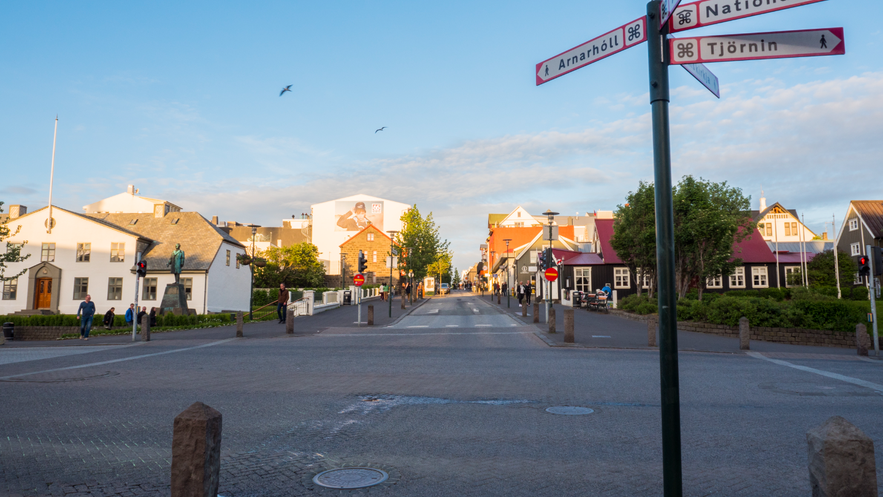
x: 483, y: 325
x: 848, y: 379
x: 600, y: 336
x: 425, y: 334
x: 421, y: 326
x: 119, y: 360
x: 452, y: 326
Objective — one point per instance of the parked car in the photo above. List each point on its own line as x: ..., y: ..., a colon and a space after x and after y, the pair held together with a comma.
x: 444, y: 288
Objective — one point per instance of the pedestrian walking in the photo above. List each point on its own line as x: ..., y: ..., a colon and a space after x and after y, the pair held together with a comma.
x: 520, y: 290
x: 108, y: 318
x: 141, y: 315
x: 152, y: 317
x: 282, y: 303
x: 130, y: 314
x: 87, y: 310
x: 527, y: 290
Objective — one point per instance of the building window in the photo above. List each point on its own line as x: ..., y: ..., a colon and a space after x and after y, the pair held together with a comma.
x: 737, y: 279
x: 714, y: 282
x: 81, y: 288
x: 644, y: 279
x: 788, y: 229
x: 853, y: 224
x: 759, y: 277
x: 114, y: 289
x: 794, y: 231
x: 117, y: 252
x: 533, y: 256
x: 582, y: 277
x: 10, y: 289
x: 371, y: 238
x: 792, y: 274
x: 149, y: 291
x: 621, y: 277
x: 228, y: 257
x: 858, y: 279
x: 855, y: 248
x: 47, y: 254
x: 84, y: 252
x: 375, y: 256
x: 188, y: 287
x: 769, y: 229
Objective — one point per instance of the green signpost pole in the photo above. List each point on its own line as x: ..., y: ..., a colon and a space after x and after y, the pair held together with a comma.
x: 657, y: 47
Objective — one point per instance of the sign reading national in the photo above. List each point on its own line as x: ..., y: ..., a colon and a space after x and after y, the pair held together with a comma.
x: 591, y: 51
x: 708, y: 12
x: 757, y: 46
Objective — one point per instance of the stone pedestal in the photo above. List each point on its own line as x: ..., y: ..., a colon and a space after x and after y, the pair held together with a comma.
x: 370, y: 315
x: 862, y: 339
x: 536, y: 312
x: 524, y: 310
x: 744, y: 334
x: 239, y: 321
x: 498, y: 299
x: 174, y: 300
x: 841, y: 460
x: 196, y: 452
x: 145, y: 328
x: 551, y: 320
x: 403, y: 301
x: 568, y: 325
x: 652, y: 327
x: 289, y: 321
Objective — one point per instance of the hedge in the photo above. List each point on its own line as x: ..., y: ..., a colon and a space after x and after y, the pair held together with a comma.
x: 119, y: 321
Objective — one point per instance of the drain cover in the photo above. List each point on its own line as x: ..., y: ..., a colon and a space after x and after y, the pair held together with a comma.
x: 570, y: 410
x: 350, y: 478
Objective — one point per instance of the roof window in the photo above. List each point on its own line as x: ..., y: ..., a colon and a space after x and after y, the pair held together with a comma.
x: 133, y: 222
x: 175, y: 221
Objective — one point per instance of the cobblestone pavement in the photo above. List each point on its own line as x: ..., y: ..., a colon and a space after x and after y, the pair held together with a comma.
x: 444, y: 410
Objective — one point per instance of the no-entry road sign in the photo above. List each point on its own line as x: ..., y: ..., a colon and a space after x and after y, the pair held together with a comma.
x: 592, y: 51
x: 708, y: 12
x: 359, y: 279
x: 551, y: 274
x: 756, y: 46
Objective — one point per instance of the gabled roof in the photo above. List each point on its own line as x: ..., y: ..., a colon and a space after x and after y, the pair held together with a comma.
x: 88, y: 218
x: 753, y: 250
x: 871, y: 212
x: 758, y: 215
x: 571, y: 258
x: 605, y: 231
x: 369, y: 227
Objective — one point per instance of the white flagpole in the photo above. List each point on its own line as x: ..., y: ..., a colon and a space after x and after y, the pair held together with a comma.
x: 51, y: 177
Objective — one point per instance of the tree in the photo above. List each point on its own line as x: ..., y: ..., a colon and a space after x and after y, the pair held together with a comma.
x: 421, y: 242
x: 441, y: 266
x: 13, y: 250
x: 634, y: 235
x: 456, y: 279
x: 821, y: 270
x: 297, y: 266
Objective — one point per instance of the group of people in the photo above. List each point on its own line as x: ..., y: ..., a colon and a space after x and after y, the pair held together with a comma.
x: 406, y: 288
x: 86, y: 314
x: 523, y: 290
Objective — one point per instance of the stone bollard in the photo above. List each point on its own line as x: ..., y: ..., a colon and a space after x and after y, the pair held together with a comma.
x: 196, y: 452
x: 239, y: 325
x: 524, y: 310
x: 370, y: 315
x: 289, y: 321
x: 652, y: 326
x: 862, y: 339
x: 744, y: 334
x: 498, y: 299
x: 841, y: 460
x: 551, y: 320
x: 568, y: 325
x: 536, y: 312
x: 145, y: 328
x: 403, y: 301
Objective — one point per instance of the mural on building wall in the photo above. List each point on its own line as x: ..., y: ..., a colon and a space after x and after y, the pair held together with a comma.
x: 356, y: 216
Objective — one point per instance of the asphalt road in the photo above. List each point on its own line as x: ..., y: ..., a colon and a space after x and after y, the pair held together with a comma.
x: 449, y: 399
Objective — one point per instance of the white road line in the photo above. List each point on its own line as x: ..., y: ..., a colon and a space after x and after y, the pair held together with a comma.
x: 848, y: 379
x: 600, y: 336
x: 452, y: 326
x: 119, y: 360
x: 426, y: 334
x: 483, y: 325
x: 422, y: 326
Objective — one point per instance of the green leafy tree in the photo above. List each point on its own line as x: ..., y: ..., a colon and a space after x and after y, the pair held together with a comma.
x: 821, y: 270
x: 421, y: 242
x: 441, y: 266
x: 297, y: 266
x: 13, y: 251
x: 456, y: 278
x: 634, y: 234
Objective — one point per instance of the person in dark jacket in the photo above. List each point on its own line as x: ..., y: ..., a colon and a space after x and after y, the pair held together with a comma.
x: 108, y: 318
x: 152, y: 317
x: 282, y: 303
x: 87, y: 309
x: 141, y: 315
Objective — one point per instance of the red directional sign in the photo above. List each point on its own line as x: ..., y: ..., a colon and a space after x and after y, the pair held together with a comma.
x: 756, y: 46
x: 359, y: 280
x: 666, y: 8
x: 592, y: 51
x: 708, y: 12
x: 551, y: 274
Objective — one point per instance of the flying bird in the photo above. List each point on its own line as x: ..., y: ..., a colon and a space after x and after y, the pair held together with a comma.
x: 287, y: 88
x: 381, y: 129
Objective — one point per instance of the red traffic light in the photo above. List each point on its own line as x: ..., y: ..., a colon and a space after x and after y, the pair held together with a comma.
x: 863, y: 261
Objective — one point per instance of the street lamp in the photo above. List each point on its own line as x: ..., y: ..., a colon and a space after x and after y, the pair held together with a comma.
x: 551, y: 217
x: 508, y: 273
x: 254, y: 231
x: 392, y: 235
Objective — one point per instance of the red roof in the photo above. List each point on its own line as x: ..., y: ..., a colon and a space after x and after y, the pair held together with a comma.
x: 794, y: 257
x: 605, y: 231
x: 753, y: 250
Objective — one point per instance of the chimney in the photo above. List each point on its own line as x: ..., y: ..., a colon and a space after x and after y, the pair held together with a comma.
x: 215, y: 220
x: 17, y: 211
x: 762, y: 202
x: 131, y: 190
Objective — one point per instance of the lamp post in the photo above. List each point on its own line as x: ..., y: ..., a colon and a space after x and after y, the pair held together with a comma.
x: 254, y: 231
x: 551, y: 216
x: 392, y: 235
x: 508, y: 275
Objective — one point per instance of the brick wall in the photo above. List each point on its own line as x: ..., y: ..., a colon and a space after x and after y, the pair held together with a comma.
x: 29, y: 333
x: 360, y: 241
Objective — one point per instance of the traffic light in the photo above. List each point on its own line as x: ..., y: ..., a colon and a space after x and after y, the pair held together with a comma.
x: 363, y: 262
x: 141, y: 269
x: 544, y: 263
x: 863, y: 268
x: 877, y: 255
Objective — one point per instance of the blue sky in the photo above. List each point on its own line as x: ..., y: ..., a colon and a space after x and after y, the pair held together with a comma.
x: 181, y: 99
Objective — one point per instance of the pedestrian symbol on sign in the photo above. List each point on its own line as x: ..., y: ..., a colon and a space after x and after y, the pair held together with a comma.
x: 824, y: 43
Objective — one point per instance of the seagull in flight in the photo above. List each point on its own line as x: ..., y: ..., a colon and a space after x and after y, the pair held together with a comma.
x: 380, y: 129
x: 287, y: 88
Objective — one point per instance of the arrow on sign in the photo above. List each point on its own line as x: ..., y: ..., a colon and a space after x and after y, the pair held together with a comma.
x: 757, y: 46
x: 704, y: 76
x: 592, y: 51
x: 708, y: 12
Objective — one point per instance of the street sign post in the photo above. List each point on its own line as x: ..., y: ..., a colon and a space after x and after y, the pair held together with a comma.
x: 359, y: 280
x: 758, y: 46
x: 704, y: 76
x: 708, y: 12
x: 551, y: 274
x: 666, y: 8
x: 621, y: 38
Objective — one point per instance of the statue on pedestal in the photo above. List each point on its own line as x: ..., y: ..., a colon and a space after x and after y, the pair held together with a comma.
x: 176, y: 262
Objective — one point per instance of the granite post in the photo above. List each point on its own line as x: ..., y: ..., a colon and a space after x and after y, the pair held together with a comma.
x: 841, y: 460
x: 524, y: 310
x: 862, y: 339
x: 289, y: 321
x: 568, y: 325
x: 536, y: 312
x: 498, y: 299
x: 196, y: 452
x: 239, y: 325
x: 145, y: 328
x: 744, y: 334
x: 403, y: 300
x: 551, y: 320
x: 652, y: 326
x: 370, y: 315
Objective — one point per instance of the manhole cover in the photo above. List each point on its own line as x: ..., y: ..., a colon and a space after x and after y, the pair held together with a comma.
x: 350, y: 478
x: 570, y: 410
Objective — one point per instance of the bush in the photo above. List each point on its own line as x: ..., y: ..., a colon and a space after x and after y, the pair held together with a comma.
x: 632, y: 302
x: 648, y: 307
x: 692, y: 310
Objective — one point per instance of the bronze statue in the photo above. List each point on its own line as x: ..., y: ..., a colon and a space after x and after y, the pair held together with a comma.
x: 176, y: 262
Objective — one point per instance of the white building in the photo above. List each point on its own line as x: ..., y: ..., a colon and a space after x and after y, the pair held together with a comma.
x: 131, y: 202
x: 335, y: 221
x: 778, y: 224
x: 95, y: 254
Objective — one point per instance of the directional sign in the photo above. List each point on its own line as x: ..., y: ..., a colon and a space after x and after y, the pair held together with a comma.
x: 708, y: 12
x: 666, y: 8
x: 551, y: 274
x: 756, y: 46
x: 704, y: 76
x: 359, y: 279
x: 591, y: 51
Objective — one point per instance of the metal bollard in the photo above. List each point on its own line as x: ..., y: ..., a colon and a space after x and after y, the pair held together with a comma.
x: 536, y: 312
x: 239, y: 325
x: 568, y: 325
x: 551, y: 320
x: 145, y: 328
x: 370, y: 315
